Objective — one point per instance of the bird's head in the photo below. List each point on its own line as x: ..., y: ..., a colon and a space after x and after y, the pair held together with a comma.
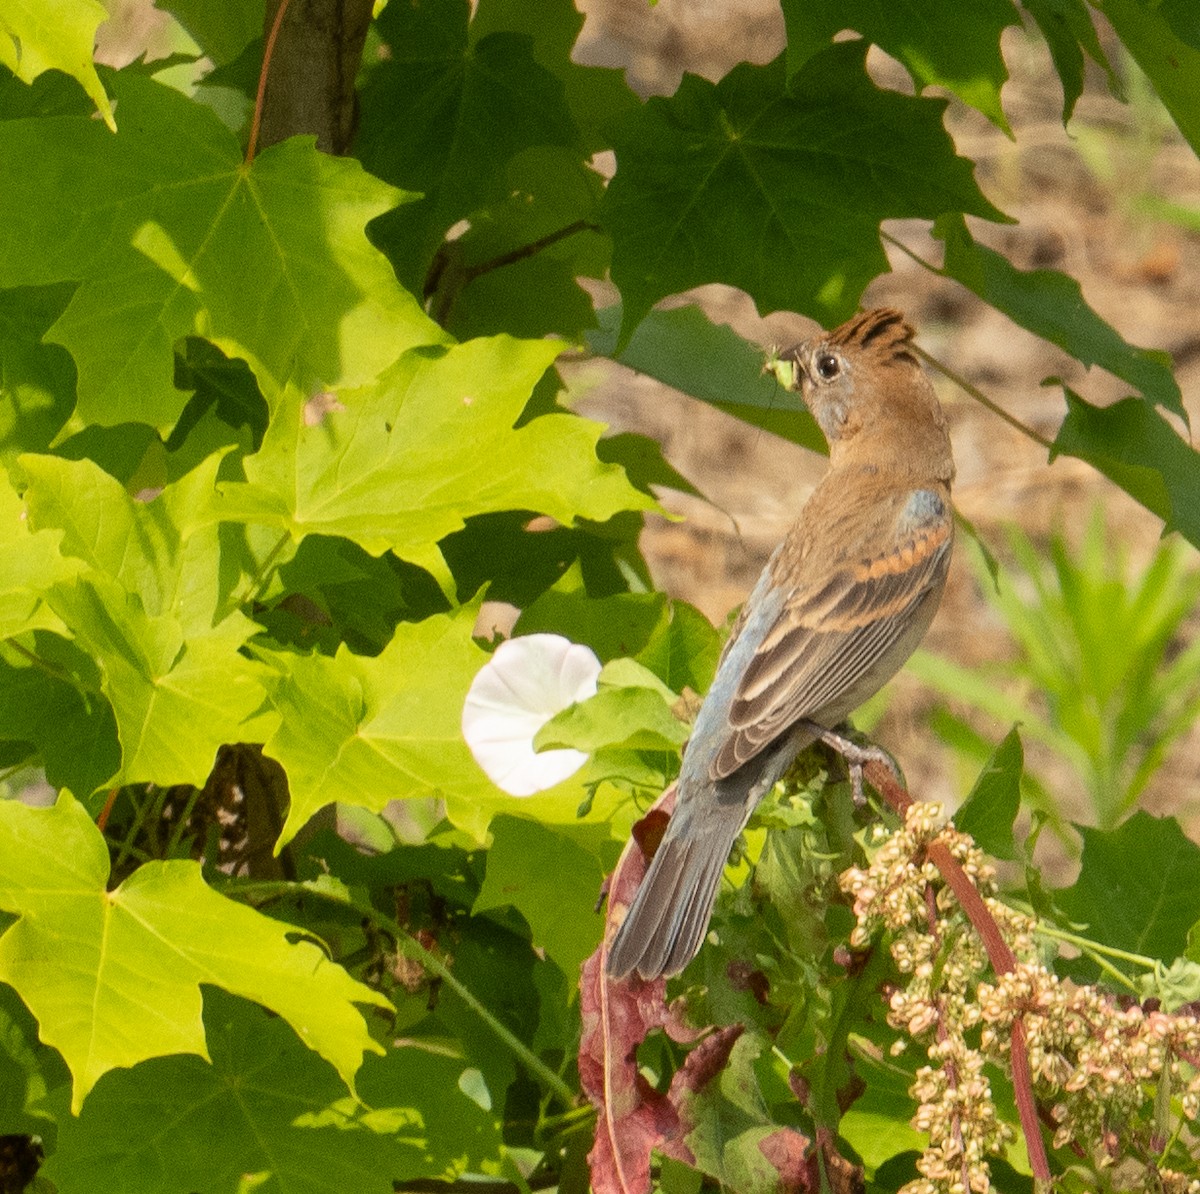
x: 862, y: 376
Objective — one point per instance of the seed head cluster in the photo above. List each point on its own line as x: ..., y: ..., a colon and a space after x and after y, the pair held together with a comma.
x: 1109, y: 1077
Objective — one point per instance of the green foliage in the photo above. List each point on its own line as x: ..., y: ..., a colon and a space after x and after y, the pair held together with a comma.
x: 1133, y: 890
x: 138, y: 954
x: 275, y: 424
x: 1051, y: 304
x: 748, y: 161
x: 30, y: 44
x: 1100, y: 675
x: 963, y: 56
x: 162, y: 234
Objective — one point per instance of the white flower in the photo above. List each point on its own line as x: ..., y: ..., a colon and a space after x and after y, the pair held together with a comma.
x: 524, y: 684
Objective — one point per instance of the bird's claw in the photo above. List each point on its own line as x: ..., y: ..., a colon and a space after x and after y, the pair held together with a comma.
x: 857, y: 757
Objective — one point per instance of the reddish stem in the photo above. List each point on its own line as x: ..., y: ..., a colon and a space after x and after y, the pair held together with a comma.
x: 268, y: 53
x: 106, y: 811
x: 1000, y: 956
x: 1026, y: 1104
x: 959, y: 882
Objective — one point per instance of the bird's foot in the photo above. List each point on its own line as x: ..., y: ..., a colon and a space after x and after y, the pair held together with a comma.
x: 857, y: 757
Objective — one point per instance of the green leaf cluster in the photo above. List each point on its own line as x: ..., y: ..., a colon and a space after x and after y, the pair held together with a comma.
x: 276, y: 424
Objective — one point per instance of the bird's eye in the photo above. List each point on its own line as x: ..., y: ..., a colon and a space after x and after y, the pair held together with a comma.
x: 828, y: 366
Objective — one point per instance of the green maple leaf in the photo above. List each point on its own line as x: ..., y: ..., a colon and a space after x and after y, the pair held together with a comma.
x: 1132, y: 444
x: 31, y: 562
x: 177, y: 697
x: 1051, y: 305
x: 365, y: 731
x: 162, y: 549
x: 1164, y: 40
x: 387, y: 465
x: 1069, y: 32
x: 38, y: 390
x: 42, y: 35
x: 278, y: 1113
x: 63, y: 715
x: 114, y: 977
x: 170, y: 234
x: 777, y: 188
x: 933, y: 41
x: 425, y: 112
x: 147, y: 607
x: 221, y: 28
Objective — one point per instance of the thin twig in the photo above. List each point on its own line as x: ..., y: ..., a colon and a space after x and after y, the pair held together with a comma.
x: 467, y: 274
x: 106, y: 811
x: 258, y: 581
x: 268, y: 53
x: 472, y: 272
x: 955, y: 377
x: 414, y: 951
x: 982, y: 398
x: 54, y: 670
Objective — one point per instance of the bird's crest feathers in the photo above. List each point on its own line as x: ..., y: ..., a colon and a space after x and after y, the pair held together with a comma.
x: 883, y: 330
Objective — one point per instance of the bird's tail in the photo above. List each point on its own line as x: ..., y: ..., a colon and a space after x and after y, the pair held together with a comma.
x: 669, y: 915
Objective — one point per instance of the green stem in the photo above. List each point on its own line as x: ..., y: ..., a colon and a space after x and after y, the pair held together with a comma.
x: 1097, y: 953
x: 9, y: 772
x: 181, y: 823
x: 568, y: 1121
x: 259, y: 579
x: 412, y: 949
x: 127, y: 847
x: 957, y: 378
x: 52, y: 669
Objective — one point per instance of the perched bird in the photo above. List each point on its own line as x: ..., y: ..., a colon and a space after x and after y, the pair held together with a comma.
x: 841, y: 604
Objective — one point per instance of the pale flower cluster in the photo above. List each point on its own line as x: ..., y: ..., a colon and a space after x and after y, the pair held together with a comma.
x: 1096, y: 1065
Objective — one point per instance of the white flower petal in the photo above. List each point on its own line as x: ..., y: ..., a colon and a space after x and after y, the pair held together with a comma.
x: 524, y: 684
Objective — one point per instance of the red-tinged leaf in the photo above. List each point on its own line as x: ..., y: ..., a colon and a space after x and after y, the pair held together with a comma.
x: 842, y: 1176
x: 787, y: 1150
x: 634, y: 1119
x: 648, y: 832
x: 704, y: 1063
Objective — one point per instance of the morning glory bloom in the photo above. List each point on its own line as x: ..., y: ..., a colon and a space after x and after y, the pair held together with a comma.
x: 525, y: 683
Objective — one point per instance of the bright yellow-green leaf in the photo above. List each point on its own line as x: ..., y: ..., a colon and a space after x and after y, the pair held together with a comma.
x: 365, y: 731
x: 30, y: 563
x: 147, y: 606
x: 170, y: 234
x: 404, y: 462
x: 41, y: 35
x: 114, y: 977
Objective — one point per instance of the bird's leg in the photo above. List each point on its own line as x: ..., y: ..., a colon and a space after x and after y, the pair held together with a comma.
x: 857, y: 757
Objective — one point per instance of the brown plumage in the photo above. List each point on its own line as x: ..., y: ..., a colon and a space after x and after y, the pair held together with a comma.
x: 840, y: 606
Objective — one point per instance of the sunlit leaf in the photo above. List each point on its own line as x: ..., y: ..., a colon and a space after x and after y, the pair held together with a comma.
x: 41, y: 35
x: 386, y: 466
x: 114, y: 977
x: 166, y: 225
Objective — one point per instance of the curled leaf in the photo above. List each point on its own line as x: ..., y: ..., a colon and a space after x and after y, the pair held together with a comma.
x: 633, y: 1118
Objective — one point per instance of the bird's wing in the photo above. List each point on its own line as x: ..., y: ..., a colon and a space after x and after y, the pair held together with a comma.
x: 827, y: 637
